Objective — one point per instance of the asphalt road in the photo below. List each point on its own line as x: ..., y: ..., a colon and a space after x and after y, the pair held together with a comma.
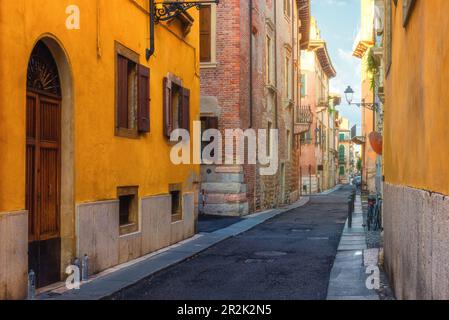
x: 287, y: 257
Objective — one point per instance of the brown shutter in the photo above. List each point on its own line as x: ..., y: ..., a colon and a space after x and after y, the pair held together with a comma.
x: 205, y: 34
x: 185, y: 123
x: 168, y: 107
x: 122, y: 92
x: 143, y: 111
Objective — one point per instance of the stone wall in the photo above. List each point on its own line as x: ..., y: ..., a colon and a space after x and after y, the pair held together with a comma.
x: 98, y: 230
x: 416, y: 241
x: 13, y: 255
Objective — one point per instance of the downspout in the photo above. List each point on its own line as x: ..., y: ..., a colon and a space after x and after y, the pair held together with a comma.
x: 151, y: 49
x: 276, y: 62
x: 251, y: 63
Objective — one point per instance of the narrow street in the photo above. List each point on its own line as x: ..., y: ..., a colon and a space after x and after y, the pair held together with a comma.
x: 287, y: 257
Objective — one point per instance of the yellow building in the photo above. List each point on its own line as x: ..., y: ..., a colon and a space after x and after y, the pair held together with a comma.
x: 366, y: 40
x: 85, y: 166
x: 416, y: 148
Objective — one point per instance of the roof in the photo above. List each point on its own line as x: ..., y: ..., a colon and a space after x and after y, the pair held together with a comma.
x: 361, y: 46
x: 304, y: 16
x: 320, y: 48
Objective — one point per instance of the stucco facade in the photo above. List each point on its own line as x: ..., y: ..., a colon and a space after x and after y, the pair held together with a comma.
x: 94, y: 161
x: 416, y: 150
x: 318, y: 149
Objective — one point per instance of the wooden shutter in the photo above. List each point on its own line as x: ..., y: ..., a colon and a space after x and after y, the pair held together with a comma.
x: 185, y: 109
x: 205, y: 34
x: 122, y: 92
x: 168, y: 107
x: 143, y: 108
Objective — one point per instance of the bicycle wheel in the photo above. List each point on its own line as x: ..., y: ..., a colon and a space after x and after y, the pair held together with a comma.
x: 369, y: 217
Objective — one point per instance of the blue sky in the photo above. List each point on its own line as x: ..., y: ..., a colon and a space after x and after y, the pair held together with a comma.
x: 338, y: 21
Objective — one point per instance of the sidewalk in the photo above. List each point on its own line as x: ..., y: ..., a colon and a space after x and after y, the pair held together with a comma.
x: 348, y: 275
x: 122, y: 277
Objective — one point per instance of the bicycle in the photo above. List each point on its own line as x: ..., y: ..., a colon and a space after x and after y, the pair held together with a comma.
x: 374, y: 217
x: 378, y: 214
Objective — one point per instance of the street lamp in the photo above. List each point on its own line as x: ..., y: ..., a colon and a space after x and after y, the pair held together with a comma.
x: 349, y: 94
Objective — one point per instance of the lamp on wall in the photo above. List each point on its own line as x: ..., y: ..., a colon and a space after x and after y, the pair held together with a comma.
x: 349, y: 94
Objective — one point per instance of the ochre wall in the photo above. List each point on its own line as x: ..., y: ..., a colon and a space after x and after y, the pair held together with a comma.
x: 102, y: 160
x: 416, y: 135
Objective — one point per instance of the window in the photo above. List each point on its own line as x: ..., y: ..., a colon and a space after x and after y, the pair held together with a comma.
x: 132, y: 94
x: 208, y: 35
x: 206, y: 124
x: 176, y: 202
x: 128, y: 209
x: 342, y: 137
x: 269, y: 138
x: 176, y: 107
x: 303, y: 85
x: 342, y: 154
x: 287, y: 8
x: 205, y: 34
x: 306, y: 137
x: 269, y: 61
x: 288, y: 76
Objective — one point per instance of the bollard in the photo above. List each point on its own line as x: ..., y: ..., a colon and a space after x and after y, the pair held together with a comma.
x: 77, y: 263
x: 31, y: 285
x: 350, y: 210
x: 85, y: 268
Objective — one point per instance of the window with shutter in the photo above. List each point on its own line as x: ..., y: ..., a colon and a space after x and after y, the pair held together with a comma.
x: 143, y: 118
x: 205, y: 34
x: 168, y: 117
x: 122, y: 92
x: 176, y: 107
x: 132, y: 114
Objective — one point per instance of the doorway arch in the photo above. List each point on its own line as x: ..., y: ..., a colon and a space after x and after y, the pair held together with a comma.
x: 49, y: 161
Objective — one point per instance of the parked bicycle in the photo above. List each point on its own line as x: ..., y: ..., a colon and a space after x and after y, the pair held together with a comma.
x: 374, y: 218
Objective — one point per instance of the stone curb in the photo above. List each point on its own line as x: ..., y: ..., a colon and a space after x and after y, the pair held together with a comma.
x: 116, y: 281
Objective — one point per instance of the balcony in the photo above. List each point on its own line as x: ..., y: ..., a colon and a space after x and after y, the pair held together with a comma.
x: 356, y: 135
x: 303, y: 119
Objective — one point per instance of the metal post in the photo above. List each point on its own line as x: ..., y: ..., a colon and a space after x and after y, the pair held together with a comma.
x: 31, y: 285
x: 85, y: 268
x: 350, y: 211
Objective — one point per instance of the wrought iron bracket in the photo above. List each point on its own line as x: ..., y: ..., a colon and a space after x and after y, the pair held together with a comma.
x: 369, y: 106
x: 168, y: 10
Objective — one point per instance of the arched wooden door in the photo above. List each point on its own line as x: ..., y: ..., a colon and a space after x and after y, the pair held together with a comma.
x: 43, y: 158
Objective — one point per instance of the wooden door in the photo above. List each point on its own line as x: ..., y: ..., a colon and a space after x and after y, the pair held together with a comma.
x: 43, y: 130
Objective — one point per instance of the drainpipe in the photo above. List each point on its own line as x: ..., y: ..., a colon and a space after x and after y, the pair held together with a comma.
x: 250, y: 63
x: 151, y: 49
x: 276, y: 62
